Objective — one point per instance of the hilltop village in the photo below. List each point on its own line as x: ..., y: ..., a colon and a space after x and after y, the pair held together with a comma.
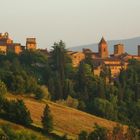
x: 101, y: 59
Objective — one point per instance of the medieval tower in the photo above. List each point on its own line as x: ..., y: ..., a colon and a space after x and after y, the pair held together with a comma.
x: 103, y: 48
x: 118, y: 49
x: 31, y: 44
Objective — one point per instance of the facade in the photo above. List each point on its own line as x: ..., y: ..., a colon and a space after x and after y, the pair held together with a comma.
x: 113, y: 64
x: 76, y: 57
x: 31, y: 44
x: 15, y: 47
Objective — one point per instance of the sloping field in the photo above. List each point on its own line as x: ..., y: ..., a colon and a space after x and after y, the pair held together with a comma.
x: 66, y: 120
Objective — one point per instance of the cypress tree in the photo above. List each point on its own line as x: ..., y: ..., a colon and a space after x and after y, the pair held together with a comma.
x: 47, y: 120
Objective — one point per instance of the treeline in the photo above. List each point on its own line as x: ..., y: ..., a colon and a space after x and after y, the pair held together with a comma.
x: 118, y: 133
x: 52, y: 76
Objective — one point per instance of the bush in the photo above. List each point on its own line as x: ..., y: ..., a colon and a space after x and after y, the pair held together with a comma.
x: 70, y: 102
x: 39, y: 93
x: 42, y: 92
x: 45, y: 92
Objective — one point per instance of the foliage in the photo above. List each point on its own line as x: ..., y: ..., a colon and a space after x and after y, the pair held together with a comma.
x: 16, y: 111
x: 47, y: 120
x: 70, y: 102
x: 8, y: 133
x: 53, y: 77
x: 83, y: 135
x: 3, y: 89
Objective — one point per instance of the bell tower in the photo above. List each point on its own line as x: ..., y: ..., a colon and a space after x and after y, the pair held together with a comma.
x: 103, y: 48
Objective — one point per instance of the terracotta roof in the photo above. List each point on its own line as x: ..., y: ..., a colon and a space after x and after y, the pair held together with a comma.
x: 114, y: 65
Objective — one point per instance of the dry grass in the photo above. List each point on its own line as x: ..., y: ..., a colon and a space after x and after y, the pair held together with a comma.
x: 66, y: 120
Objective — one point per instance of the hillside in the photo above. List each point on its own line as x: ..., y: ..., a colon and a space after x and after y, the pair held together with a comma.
x: 66, y: 120
x: 19, y: 128
x: 130, y: 45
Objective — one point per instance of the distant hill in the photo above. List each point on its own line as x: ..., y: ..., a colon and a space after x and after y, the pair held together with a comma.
x: 130, y: 45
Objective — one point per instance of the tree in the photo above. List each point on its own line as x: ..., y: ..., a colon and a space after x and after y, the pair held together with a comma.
x: 17, y: 112
x: 118, y: 133
x: 104, y: 108
x: 47, y: 120
x: 83, y: 135
x: 58, y: 61
x: 99, y: 133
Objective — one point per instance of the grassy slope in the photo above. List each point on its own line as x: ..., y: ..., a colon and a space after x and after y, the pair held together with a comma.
x: 17, y: 127
x: 66, y: 120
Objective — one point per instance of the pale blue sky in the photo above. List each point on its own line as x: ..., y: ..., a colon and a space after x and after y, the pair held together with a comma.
x: 77, y: 22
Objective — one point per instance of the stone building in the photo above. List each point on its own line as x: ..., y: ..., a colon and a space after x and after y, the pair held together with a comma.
x: 76, y: 57
x: 7, y: 44
x: 118, y: 49
x: 15, y: 47
x: 5, y: 41
x: 113, y: 64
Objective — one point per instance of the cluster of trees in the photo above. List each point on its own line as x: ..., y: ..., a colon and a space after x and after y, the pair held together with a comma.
x: 118, y: 133
x: 24, y: 73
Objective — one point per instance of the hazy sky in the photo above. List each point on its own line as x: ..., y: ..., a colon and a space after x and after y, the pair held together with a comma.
x: 77, y: 22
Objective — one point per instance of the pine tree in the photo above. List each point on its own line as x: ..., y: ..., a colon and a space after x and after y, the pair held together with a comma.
x: 47, y: 120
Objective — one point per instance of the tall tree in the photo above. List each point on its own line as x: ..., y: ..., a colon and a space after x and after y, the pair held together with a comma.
x: 58, y: 60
